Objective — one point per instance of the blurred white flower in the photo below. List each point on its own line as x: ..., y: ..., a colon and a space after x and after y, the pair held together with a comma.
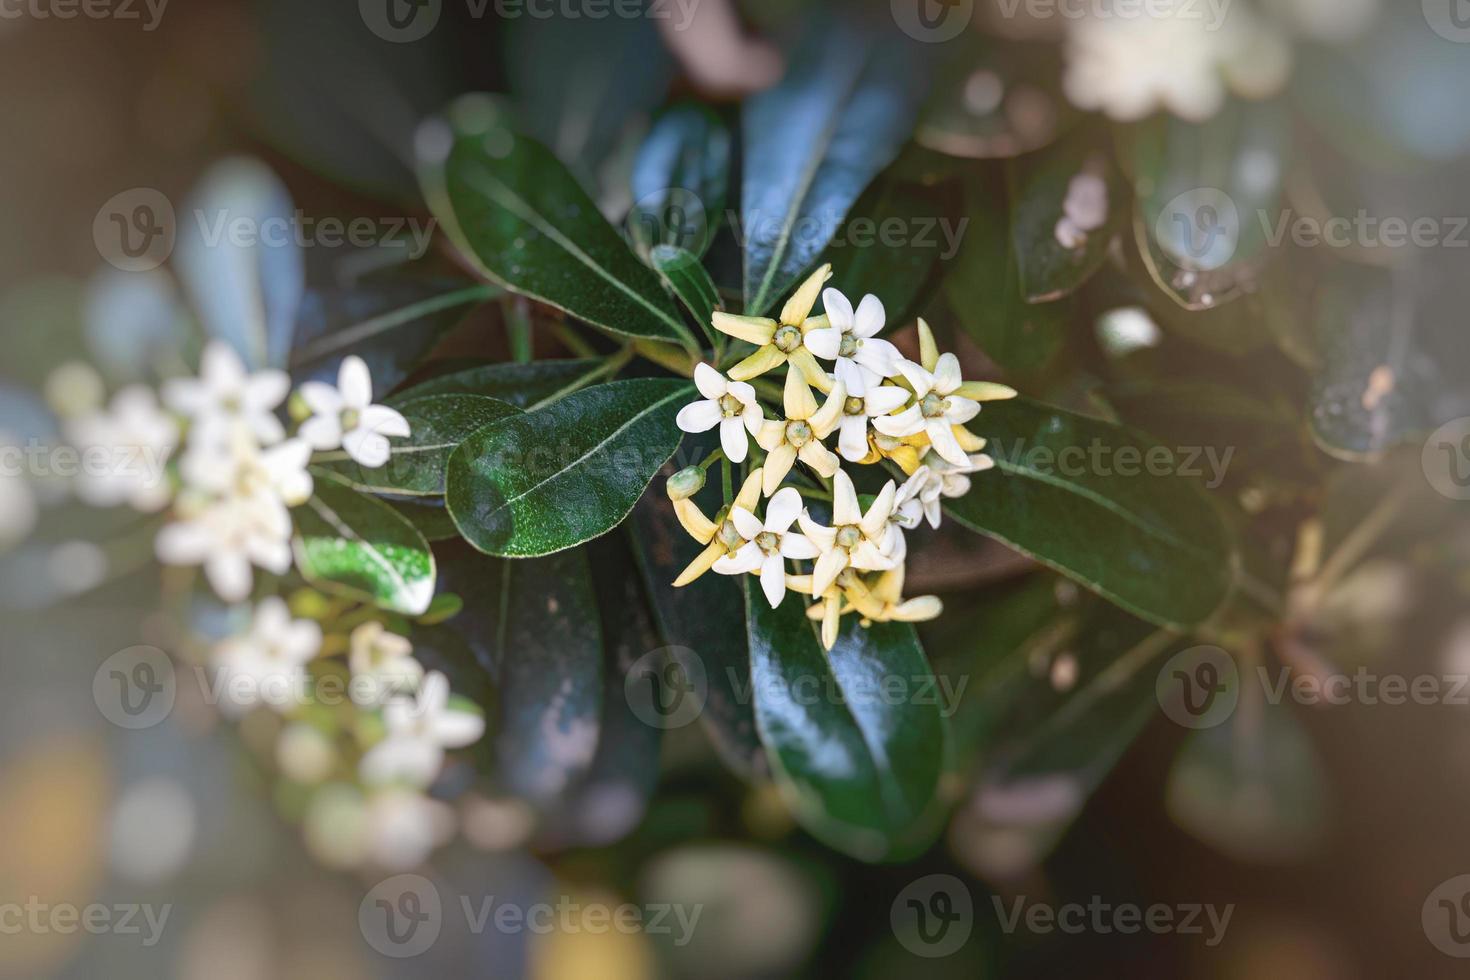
x: 224, y: 460
x: 18, y: 508
x: 125, y: 452
x: 419, y: 730
x: 227, y: 537
x: 1172, y: 55
x: 729, y: 404
x: 345, y: 416
x: 768, y: 543
x: 267, y: 664
x: 382, y: 665
x: 862, y: 359
x: 403, y: 828
x: 225, y: 391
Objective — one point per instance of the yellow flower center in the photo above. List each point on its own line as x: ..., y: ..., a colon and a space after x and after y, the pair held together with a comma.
x: 798, y: 433
x: 730, y: 406
x: 848, y: 536
x: 849, y: 345
x: 767, y: 542
x: 933, y: 405
x: 350, y: 418
x: 787, y: 339
x: 853, y: 405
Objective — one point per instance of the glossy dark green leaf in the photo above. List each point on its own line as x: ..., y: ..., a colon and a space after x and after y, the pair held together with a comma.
x: 429, y: 515
x: 245, y: 287
x: 534, y: 626
x: 390, y: 323
x: 854, y: 735
x: 995, y: 99
x: 1102, y: 505
x: 697, y: 617
x: 682, y: 272
x: 553, y: 478
x: 1075, y: 177
x: 1207, y: 197
x: 680, y: 179
x: 983, y: 285
x: 355, y: 545
x: 893, y: 240
x: 437, y: 425
x: 812, y: 143
x: 514, y: 210
x: 526, y: 386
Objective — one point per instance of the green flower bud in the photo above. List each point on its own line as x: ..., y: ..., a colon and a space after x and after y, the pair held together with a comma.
x: 685, y: 483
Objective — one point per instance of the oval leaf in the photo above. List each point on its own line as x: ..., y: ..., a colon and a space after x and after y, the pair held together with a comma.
x: 526, y: 386
x: 563, y: 474
x: 686, y: 278
x: 679, y: 181
x: 354, y: 545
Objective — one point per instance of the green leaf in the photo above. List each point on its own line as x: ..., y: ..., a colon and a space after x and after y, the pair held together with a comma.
x: 1203, y: 191
x: 682, y: 272
x: 812, y: 143
x: 698, y: 617
x: 553, y: 478
x: 679, y: 181
x: 390, y: 323
x: 534, y: 626
x: 983, y: 285
x: 526, y: 386
x: 415, y: 467
x: 858, y: 764
x: 514, y: 210
x: 1041, y: 185
x: 429, y: 515
x: 354, y: 545
x: 1078, y: 495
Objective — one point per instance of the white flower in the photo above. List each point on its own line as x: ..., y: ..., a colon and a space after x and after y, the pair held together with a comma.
x: 345, y: 415
x: 936, y: 410
x: 855, y: 539
x: 1172, y: 56
x: 267, y: 664
x: 404, y: 827
x: 224, y: 460
x: 419, y: 731
x: 729, y: 404
x: 18, y: 509
x: 800, y: 434
x: 228, y: 536
x: 768, y: 544
x: 382, y: 665
x: 224, y: 391
x: 863, y: 360
x: 919, y: 496
x: 852, y: 430
x: 125, y: 450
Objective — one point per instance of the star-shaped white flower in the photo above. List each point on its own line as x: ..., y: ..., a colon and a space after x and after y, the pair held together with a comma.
x: 729, y: 404
x: 419, y: 731
x: 345, y: 416
x: 863, y: 360
x: 224, y: 390
x: 223, y: 459
x: 936, y: 409
x: 137, y: 437
x: 852, y: 429
x: 382, y: 664
x: 855, y: 539
x: 267, y: 664
x: 228, y: 536
x: 768, y: 544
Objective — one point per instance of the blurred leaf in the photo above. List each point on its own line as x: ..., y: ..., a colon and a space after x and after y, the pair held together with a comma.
x: 354, y: 545
x: 1206, y: 195
x: 515, y: 211
x: 1078, y: 169
x: 858, y: 766
x: 680, y: 180
x: 550, y: 479
x: 429, y: 516
x: 1252, y: 786
x: 526, y: 386
x: 983, y: 286
x: 995, y: 99
x: 534, y: 626
x: 812, y: 143
x: 682, y: 272
x: 1149, y: 542
x: 415, y: 467
x: 390, y: 323
x: 239, y: 261
x: 134, y: 321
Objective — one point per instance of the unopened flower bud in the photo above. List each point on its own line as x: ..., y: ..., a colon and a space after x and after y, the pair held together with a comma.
x: 685, y: 483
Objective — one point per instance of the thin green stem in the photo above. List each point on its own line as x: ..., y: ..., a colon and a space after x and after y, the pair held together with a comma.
x: 726, y: 482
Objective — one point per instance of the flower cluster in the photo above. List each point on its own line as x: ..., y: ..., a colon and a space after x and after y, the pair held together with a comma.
x: 880, y: 406
x: 353, y: 717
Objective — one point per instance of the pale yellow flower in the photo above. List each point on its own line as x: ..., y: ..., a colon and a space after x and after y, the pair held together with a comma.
x: 781, y: 341
x: 800, y: 434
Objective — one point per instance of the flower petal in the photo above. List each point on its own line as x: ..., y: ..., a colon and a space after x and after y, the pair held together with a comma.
x: 852, y: 438
x: 905, y: 423
x: 823, y: 537
x: 961, y: 410
x: 355, y: 382
x: 320, y: 397
x: 947, y: 374
x: 853, y: 377
x: 941, y: 436
x: 456, y: 729
x: 824, y: 343
x: 799, y: 306
x: 384, y: 421
x: 797, y: 546
x: 778, y: 464
x: 845, y: 507
x: 747, y: 559
x: 773, y: 579
x: 745, y: 522
x: 782, y: 510
x: 869, y: 318
x: 828, y: 567
x: 821, y: 459
x: 699, y: 416
x: 367, y: 447
x: 838, y: 309
x: 756, y: 330
x: 879, y: 511
x: 734, y: 440
x: 878, y: 355
x: 921, y: 381
x: 881, y: 401
x: 711, y: 383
